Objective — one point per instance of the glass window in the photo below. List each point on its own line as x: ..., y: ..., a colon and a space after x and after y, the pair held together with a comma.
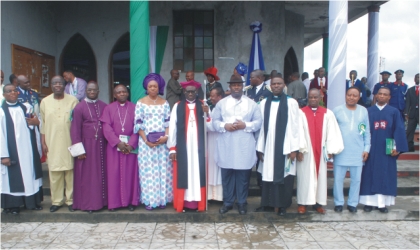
x: 193, y: 40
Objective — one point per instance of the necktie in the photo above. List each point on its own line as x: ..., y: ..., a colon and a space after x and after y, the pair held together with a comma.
x: 417, y: 90
x: 352, y: 83
x: 321, y: 84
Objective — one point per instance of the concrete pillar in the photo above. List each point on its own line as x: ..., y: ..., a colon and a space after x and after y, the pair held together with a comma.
x: 337, y: 58
x: 373, y: 37
x: 325, y: 51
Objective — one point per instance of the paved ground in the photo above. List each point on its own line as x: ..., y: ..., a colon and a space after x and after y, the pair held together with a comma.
x: 278, y: 235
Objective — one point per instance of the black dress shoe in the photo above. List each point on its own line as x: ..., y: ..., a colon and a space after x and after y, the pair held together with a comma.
x: 224, y: 209
x: 37, y: 207
x: 71, y: 208
x: 338, y: 209
x: 54, y: 208
x: 383, y: 210
x: 6, y: 211
x: 352, y: 209
x: 90, y: 211
x: 15, y: 211
x: 112, y: 210
x: 131, y: 208
x: 367, y: 208
x: 282, y: 211
x: 242, y: 209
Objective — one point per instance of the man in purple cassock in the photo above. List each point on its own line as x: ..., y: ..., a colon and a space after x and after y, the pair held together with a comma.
x: 90, y: 183
x: 122, y: 167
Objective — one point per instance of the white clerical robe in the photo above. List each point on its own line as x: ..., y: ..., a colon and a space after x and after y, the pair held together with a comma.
x: 24, y: 147
x: 215, y: 188
x: 292, y: 140
x: 310, y: 188
x: 192, y: 193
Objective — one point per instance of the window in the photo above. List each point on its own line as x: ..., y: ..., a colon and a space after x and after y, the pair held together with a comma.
x: 193, y: 40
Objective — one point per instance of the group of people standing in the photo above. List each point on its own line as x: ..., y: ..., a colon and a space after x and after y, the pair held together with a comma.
x: 189, y: 149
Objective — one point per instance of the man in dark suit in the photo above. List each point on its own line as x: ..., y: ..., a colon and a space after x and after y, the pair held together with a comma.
x: 412, y: 112
x: 258, y: 90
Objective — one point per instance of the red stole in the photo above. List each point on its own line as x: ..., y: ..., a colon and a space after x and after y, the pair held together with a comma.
x: 179, y: 194
x: 315, y: 123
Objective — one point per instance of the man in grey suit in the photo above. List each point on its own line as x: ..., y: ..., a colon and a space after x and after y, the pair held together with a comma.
x: 173, y: 89
x: 75, y: 86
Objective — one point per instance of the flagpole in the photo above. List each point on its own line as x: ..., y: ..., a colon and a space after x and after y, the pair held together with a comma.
x: 205, y: 145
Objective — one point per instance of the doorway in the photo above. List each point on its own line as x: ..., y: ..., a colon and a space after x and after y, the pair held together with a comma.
x: 78, y: 56
x: 290, y: 64
x: 119, y: 64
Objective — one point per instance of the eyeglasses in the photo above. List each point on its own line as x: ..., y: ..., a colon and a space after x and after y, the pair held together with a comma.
x: 11, y: 91
x: 57, y: 83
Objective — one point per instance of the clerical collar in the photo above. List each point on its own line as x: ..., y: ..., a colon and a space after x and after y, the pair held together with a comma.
x: 11, y: 104
x: 380, y: 107
x: 91, y: 101
x: 275, y: 98
x: 314, y: 109
x: 122, y: 104
x: 190, y: 102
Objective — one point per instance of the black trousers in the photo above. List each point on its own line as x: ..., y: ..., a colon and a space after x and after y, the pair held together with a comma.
x: 235, y: 186
x: 411, y: 128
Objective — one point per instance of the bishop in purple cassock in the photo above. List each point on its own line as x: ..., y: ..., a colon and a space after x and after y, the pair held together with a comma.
x: 90, y: 184
x: 122, y: 167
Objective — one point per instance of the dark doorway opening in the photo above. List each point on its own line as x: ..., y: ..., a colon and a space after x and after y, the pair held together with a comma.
x: 78, y: 56
x: 119, y: 64
x: 290, y: 64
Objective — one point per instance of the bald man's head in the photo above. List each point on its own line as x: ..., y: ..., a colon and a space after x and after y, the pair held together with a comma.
x: 24, y: 82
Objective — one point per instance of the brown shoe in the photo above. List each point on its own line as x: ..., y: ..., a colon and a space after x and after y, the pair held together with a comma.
x: 301, y: 209
x: 320, y: 210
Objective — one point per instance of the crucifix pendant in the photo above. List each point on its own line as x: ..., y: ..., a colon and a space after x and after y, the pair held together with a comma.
x: 96, y: 137
x: 122, y: 129
x: 191, y: 121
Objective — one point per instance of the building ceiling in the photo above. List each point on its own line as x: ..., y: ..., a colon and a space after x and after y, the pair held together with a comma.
x: 316, y: 15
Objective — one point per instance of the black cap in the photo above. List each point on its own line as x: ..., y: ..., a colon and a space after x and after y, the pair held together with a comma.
x: 399, y: 71
x: 385, y: 72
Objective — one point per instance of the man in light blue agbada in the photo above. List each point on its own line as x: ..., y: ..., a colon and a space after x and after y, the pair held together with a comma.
x: 353, y: 121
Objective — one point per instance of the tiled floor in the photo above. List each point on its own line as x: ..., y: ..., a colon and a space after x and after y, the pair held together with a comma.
x: 276, y: 235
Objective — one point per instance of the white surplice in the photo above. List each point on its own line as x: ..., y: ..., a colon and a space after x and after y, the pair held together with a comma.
x: 292, y: 141
x: 193, y: 192
x: 310, y: 188
x: 24, y: 147
x: 215, y: 188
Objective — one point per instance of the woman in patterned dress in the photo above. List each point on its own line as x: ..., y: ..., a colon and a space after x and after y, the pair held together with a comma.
x: 151, y: 122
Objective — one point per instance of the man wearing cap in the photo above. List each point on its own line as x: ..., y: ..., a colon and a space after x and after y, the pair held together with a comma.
x: 412, y: 112
x: 321, y: 83
x: 211, y: 74
x: 384, y: 83
x: 174, y: 90
x: 236, y: 118
x: 398, y: 91
x: 186, y: 144
x: 241, y: 69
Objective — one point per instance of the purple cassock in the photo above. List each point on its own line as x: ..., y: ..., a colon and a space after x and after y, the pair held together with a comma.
x: 90, y: 183
x: 122, y: 169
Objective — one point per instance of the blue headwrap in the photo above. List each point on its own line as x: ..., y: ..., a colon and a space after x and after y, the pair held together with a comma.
x: 241, y: 68
x: 156, y: 77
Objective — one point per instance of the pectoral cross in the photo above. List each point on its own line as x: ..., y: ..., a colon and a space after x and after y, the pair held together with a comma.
x: 122, y: 129
x: 96, y: 137
x: 191, y: 120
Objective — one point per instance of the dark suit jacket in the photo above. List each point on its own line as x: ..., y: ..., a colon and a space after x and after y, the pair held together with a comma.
x: 411, y: 102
